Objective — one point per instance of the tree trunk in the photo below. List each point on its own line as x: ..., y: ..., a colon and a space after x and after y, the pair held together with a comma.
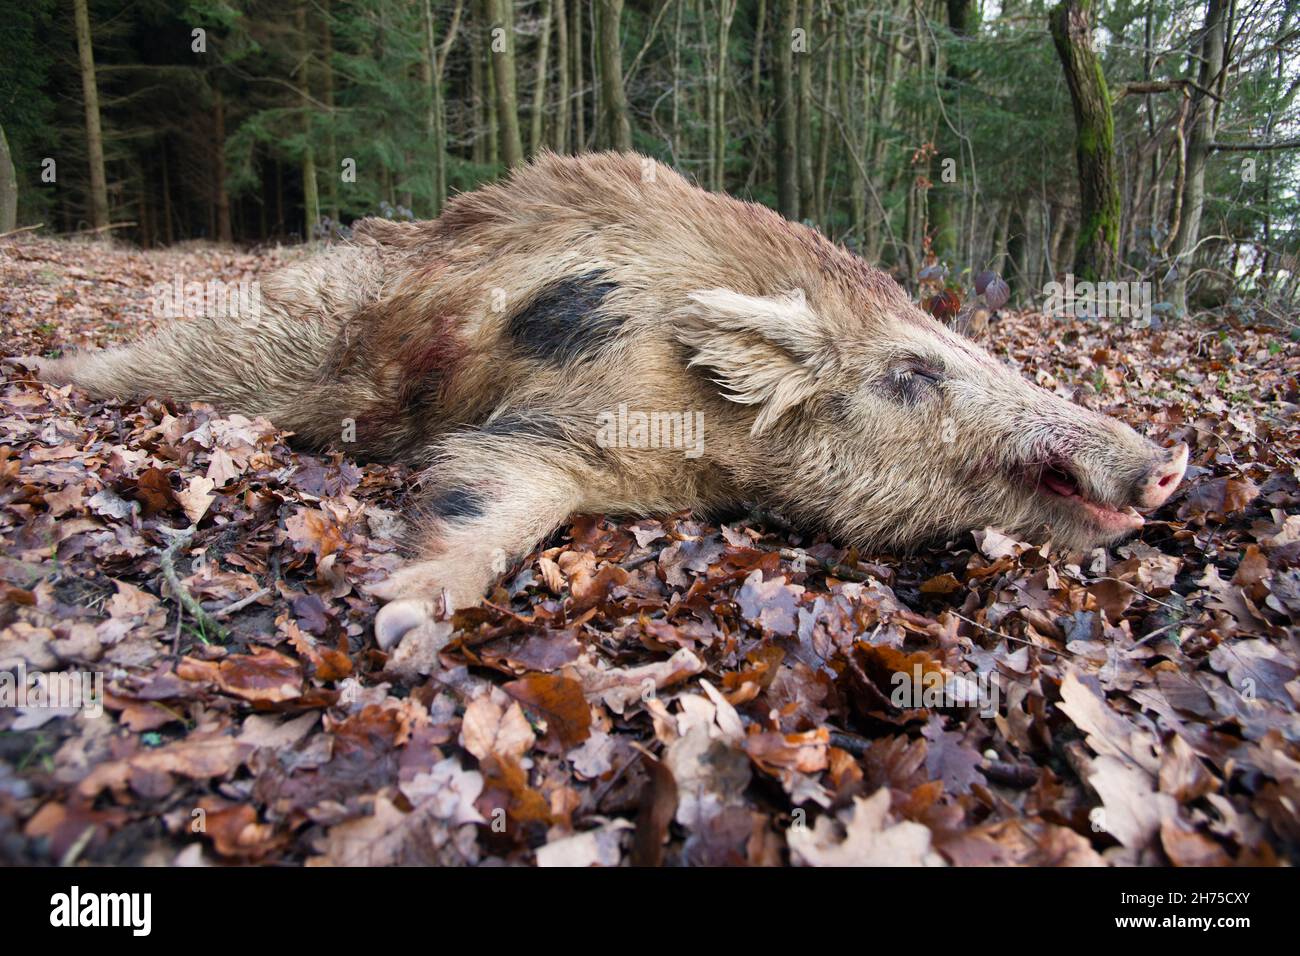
x: 560, y: 121
x: 1204, y: 115
x: 825, y: 132
x: 727, y: 13
x: 281, y: 226
x: 757, y: 63
x: 613, y: 98
x: 310, y: 193
x: 492, y: 145
x: 440, y: 108
x: 1148, y: 27
x: 675, y: 126
x: 263, y: 205
x: 846, y: 67
x: 1017, y: 270
x: 327, y: 86
x: 220, y: 195
x: 997, y: 255
x: 478, y: 96
x: 787, y: 115
x: 428, y: 63
x: 945, y: 198
x: 169, y: 235
x: 502, y: 45
x: 94, y: 136
x: 1097, y: 251
x: 146, y: 214
x: 539, y: 87
x: 807, y: 188
x: 491, y: 111
x: 8, y: 187
x: 579, y: 94
x: 883, y: 117
x: 1269, y: 265
x: 432, y: 69
x: 710, y: 95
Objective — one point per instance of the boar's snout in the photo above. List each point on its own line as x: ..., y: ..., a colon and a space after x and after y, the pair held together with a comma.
x: 1163, y: 477
x: 1094, y: 483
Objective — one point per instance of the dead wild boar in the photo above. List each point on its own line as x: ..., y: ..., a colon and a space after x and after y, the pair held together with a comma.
x: 516, y: 347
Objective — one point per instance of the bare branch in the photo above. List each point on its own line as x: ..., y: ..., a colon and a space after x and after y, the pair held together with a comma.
x: 1255, y: 147
x: 1164, y: 86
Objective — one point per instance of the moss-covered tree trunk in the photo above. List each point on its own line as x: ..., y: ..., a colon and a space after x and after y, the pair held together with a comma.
x: 8, y: 187
x: 1096, y: 254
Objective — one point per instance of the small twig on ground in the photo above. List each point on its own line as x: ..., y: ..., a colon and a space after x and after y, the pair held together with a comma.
x: 1015, y: 775
x: 78, y: 845
x: 1138, y: 591
x: 176, y: 639
x: 851, y: 742
x: 828, y: 567
x: 643, y: 559
x: 98, y: 229
x: 608, y: 785
x: 1156, y: 633
x: 166, y: 559
x: 239, y: 605
x: 1010, y: 637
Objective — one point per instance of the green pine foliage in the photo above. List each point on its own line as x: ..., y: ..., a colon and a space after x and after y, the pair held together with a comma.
x: 922, y: 137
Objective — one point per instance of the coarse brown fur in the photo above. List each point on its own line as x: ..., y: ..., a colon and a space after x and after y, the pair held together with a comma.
x: 488, y: 345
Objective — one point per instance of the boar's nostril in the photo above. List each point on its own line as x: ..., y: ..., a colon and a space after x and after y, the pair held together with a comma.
x: 1163, y: 478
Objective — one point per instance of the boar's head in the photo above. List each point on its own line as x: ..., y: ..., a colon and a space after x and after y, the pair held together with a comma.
x: 876, y: 421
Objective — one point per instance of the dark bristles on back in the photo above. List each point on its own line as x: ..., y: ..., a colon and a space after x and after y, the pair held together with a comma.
x: 455, y: 503
x: 564, y: 324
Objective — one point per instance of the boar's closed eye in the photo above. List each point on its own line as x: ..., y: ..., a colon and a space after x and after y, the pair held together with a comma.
x: 913, y: 381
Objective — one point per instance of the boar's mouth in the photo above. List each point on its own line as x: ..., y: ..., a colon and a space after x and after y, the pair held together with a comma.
x: 1054, y: 481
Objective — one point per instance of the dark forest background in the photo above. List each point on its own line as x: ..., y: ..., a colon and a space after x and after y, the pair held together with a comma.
x: 1122, y: 140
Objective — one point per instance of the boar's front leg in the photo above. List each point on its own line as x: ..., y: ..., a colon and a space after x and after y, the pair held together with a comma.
x: 491, y: 496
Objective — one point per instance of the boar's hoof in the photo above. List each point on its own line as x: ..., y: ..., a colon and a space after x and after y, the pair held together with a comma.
x: 420, y: 594
x: 430, y: 579
x: 400, y: 618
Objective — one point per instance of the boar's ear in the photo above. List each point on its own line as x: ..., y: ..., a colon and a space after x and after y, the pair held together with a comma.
x: 764, y: 350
